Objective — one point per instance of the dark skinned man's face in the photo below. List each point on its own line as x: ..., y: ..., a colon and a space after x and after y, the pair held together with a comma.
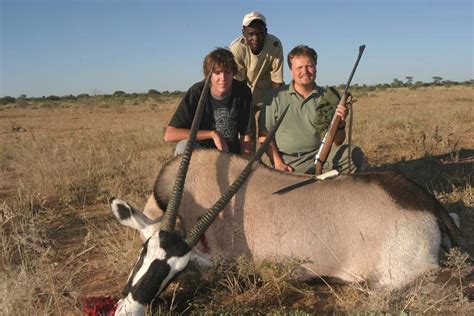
x: 255, y: 37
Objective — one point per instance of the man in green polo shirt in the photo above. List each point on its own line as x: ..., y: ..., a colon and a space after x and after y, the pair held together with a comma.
x: 311, y: 109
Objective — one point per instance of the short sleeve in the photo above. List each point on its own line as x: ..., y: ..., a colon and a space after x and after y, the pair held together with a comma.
x: 268, y: 114
x: 276, y: 73
x: 184, y: 114
x: 239, y: 58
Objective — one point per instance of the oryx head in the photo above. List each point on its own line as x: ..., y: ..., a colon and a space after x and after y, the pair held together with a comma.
x: 166, y: 253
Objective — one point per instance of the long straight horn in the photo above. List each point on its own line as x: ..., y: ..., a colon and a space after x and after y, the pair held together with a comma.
x: 169, y: 219
x: 205, y: 221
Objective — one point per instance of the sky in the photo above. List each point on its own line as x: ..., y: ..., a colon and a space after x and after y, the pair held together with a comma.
x: 101, y: 46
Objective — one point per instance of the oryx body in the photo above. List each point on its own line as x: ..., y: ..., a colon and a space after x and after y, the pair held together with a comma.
x: 379, y: 228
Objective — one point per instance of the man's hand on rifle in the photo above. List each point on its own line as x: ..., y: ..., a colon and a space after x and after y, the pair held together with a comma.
x: 340, y: 136
x: 341, y: 111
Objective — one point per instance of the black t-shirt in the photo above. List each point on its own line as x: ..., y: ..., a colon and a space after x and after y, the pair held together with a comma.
x: 226, y: 125
x: 230, y: 116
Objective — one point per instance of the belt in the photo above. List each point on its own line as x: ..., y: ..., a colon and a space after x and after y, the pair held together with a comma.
x: 301, y: 154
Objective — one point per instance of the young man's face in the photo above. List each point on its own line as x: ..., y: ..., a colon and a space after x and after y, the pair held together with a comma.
x: 255, y: 37
x: 303, y: 70
x: 221, y: 81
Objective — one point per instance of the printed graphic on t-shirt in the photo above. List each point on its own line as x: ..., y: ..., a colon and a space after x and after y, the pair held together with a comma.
x: 224, y: 125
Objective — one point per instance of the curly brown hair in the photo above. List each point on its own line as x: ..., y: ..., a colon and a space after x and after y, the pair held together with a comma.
x: 221, y: 57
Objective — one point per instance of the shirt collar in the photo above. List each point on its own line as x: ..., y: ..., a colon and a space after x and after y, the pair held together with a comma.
x: 292, y: 90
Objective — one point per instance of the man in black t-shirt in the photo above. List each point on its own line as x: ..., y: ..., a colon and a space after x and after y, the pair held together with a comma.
x: 226, y: 122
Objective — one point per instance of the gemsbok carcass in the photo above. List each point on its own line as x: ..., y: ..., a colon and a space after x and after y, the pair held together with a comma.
x: 378, y: 228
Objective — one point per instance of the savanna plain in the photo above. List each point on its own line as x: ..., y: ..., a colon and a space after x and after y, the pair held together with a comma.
x: 61, y: 161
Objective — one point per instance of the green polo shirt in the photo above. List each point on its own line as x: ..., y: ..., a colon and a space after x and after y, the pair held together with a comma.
x: 306, y: 121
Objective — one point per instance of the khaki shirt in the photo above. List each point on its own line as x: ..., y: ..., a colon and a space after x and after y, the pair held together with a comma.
x: 259, y: 70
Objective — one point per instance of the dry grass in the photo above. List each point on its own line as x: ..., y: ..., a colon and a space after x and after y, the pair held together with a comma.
x: 60, y: 163
x: 405, y: 124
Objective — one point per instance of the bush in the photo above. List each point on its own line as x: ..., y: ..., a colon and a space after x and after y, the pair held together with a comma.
x: 6, y: 100
x: 119, y: 94
x: 70, y: 97
x: 153, y: 92
x: 53, y: 98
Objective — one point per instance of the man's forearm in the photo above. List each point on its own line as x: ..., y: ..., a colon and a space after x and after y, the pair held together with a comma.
x: 272, y: 152
x: 275, y: 154
x: 173, y: 134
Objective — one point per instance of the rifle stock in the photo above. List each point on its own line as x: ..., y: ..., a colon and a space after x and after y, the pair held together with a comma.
x: 328, y: 139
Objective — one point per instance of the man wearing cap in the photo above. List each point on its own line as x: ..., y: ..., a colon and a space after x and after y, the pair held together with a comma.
x: 259, y: 58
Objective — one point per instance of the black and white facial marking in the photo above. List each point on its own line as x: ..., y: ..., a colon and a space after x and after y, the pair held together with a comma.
x: 128, y: 216
x: 163, y: 256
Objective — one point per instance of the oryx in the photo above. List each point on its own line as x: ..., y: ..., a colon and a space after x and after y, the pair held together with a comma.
x: 381, y: 228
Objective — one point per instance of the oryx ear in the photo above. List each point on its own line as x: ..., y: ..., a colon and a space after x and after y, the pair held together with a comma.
x: 128, y: 216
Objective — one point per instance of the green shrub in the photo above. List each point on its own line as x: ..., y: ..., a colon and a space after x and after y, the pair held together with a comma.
x: 119, y: 94
x: 53, y: 98
x: 6, y: 100
x: 153, y: 92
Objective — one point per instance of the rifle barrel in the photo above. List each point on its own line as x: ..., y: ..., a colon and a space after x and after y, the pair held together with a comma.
x: 361, y: 51
x: 328, y: 138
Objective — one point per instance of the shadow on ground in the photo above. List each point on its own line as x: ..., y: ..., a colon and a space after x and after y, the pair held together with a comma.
x: 444, y: 173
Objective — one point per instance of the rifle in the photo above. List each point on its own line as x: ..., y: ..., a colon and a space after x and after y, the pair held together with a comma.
x: 328, y: 139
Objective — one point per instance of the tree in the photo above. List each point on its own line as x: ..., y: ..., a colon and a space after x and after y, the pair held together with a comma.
x: 118, y: 93
x: 153, y: 92
x: 437, y: 80
x: 409, y: 80
x: 397, y: 83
